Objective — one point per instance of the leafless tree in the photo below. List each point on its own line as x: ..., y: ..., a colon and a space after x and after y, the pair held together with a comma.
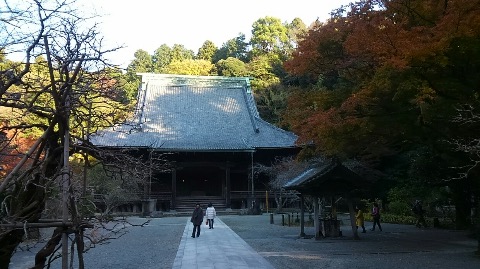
x: 469, y: 144
x: 58, y: 93
x: 279, y: 173
x: 467, y: 116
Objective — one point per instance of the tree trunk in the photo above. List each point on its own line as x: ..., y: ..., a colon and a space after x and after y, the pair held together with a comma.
x: 8, y: 243
x: 27, y: 206
x: 80, y: 249
x: 461, y: 198
x: 30, y: 200
x: 48, y: 249
x: 478, y: 239
x: 477, y: 221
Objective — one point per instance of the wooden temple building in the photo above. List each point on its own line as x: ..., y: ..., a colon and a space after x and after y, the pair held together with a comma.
x: 212, y: 131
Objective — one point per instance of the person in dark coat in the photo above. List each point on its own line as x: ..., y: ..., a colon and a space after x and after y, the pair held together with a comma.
x: 419, y: 213
x: 376, y: 217
x: 197, y: 220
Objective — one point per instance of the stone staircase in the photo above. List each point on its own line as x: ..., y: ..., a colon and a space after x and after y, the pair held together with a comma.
x: 187, y: 203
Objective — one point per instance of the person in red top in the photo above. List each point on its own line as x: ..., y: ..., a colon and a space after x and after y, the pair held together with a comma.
x: 376, y: 217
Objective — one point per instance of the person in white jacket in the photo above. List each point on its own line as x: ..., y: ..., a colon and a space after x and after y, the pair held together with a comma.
x: 210, y: 214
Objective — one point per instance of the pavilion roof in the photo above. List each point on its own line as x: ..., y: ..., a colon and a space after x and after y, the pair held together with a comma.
x: 327, y: 178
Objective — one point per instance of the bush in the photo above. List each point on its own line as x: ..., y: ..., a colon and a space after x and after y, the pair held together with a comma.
x: 401, y: 208
x: 398, y: 219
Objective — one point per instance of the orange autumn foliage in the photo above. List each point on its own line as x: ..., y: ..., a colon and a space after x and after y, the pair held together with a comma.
x: 12, y: 150
x: 383, y: 57
x: 390, y: 33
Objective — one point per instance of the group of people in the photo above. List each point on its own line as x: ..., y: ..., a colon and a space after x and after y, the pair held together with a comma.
x: 360, y: 219
x: 197, y: 218
x: 210, y: 214
x: 416, y: 209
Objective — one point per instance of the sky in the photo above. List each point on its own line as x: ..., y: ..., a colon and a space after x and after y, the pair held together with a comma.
x: 147, y: 24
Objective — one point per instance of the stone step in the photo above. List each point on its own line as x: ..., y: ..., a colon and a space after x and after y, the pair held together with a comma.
x: 187, y: 203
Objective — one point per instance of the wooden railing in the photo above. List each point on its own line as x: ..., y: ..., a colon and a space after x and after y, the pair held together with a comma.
x: 166, y: 196
x: 157, y: 195
x: 248, y: 194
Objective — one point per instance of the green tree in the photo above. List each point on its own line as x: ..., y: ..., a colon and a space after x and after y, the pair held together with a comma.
x: 3, y: 57
x: 207, y: 51
x: 297, y: 30
x: 270, y: 35
x: 235, y: 47
x: 161, y: 58
x: 266, y: 70
x: 142, y: 63
x: 231, y: 67
x: 190, y: 67
x: 272, y: 102
x: 180, y: 53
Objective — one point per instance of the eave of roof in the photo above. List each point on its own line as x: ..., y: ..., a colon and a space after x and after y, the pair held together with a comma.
x: 331, y: 177
x: 190, y: 113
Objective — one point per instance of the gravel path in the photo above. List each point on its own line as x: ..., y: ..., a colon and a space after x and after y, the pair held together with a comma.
x: 398, y: 246
x: 152, y: 246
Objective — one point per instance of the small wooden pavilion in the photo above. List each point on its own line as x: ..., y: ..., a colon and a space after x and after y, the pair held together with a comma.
x: 328, y: 179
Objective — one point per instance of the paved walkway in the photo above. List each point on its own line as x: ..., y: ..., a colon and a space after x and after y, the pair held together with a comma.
x: 216, y: 248
x: 164, y: 242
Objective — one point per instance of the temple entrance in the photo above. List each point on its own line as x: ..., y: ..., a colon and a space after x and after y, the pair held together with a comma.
x: 200, y: 181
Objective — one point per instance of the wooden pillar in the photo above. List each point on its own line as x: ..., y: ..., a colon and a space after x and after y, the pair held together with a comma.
x: 227, y: 187
x: 174, y: 189
x: 149, y: 190
x: 352, y: 219
x: 316, y: 220
x: 252, y: 178
x: 321, y: 214
x: 302, y: 216
x: 249, y: 190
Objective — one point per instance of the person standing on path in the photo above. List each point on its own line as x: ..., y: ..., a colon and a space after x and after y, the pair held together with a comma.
x: 210, y: 213
x: 376, y: 217
x: 419, y: 213
x: 197, y: 220
x: 360, y: 220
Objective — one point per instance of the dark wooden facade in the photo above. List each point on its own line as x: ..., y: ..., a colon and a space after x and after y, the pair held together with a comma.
x: 211, y: 133
x: 224, y: 177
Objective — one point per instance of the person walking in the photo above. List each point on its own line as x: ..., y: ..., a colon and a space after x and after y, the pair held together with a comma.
x: 376, y: 217
x: 210, y: 213
x: 419, y: 213
x: 197, y: 220
x: 359, y: 219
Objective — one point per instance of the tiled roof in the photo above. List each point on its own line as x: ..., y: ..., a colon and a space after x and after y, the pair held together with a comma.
x: 310, y: 174
x: 328, y: 177
x: 191, y: 113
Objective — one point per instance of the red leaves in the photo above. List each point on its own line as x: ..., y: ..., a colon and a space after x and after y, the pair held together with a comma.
x: 12, y: 147
x: 390, y: 59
